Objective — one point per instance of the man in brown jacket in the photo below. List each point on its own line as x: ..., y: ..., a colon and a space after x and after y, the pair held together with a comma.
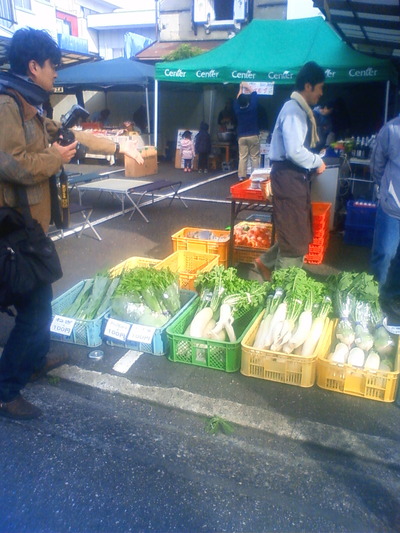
x: 31, y: 139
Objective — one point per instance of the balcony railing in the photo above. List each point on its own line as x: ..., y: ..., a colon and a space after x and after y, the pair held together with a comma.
x: 71, y: 43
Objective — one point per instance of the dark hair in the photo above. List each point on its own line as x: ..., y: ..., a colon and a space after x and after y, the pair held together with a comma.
x: 28, y: 44
x: 203, y: 126
x: 329, y: 105
x: 187, y: 134
x: 310, y: 73
x: 243, y: 100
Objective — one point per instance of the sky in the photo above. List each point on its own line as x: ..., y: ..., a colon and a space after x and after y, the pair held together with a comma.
x: 298, y: 9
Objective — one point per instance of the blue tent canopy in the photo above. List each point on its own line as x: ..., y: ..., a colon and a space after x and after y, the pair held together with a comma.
x: 111, y: 74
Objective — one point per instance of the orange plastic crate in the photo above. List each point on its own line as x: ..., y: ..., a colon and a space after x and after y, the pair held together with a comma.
x: 242, y: 190
x: 315, y: 258
x: 247, y: 255
x: 320, y: 214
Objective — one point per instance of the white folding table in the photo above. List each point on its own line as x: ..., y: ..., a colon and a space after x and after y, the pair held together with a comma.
x: 125, y: 188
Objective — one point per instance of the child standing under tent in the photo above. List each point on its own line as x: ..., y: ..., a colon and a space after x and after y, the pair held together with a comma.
x: 187, y: 150
x: 202, y: 145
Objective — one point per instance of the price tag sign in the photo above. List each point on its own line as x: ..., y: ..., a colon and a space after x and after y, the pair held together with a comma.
x: 116, y: 329
x: 143, y: 334
x: 262, y: 87
x: 62, y: 325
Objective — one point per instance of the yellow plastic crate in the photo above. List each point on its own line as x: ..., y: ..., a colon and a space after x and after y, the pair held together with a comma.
x: 188, y: 264
x: 133, y: 262
x: 291, y: 369
x: 181, y: 240
x: 347, y: 379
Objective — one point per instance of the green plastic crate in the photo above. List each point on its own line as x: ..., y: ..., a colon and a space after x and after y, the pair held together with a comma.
x: 208, y: 353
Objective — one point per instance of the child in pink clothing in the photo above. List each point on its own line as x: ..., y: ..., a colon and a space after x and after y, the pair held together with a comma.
x: 187, y: 150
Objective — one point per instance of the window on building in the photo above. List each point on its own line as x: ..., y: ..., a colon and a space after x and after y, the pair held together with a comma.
x: 64, y: 27
x: 213, y: 11
x: 24, y: 4
x: 117, y: 52
x: 7, y: 16
x: 223, y: 9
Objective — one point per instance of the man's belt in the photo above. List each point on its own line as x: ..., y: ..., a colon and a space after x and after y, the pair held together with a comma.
x: 285, y: 163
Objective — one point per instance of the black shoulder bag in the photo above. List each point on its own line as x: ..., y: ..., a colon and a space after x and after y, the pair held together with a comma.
x: 28, y: 258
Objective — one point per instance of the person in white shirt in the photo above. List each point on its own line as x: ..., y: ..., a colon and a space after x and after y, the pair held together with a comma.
x: 293, y: 162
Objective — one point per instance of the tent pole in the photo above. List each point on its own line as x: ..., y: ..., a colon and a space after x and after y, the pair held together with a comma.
x: 147, y: 111
x: 155, y: 113
x: 386, y: 102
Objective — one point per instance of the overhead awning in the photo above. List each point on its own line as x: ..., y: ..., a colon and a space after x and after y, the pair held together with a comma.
x: 111, y: 74
x: 158, y: 50
x: 274, y: 51
x: 371, y: 26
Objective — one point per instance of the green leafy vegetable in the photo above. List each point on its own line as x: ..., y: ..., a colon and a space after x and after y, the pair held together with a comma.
x: 215, y: 424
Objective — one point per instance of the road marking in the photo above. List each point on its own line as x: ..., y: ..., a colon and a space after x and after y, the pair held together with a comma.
x: 124, y: 364
x: 371, y: 447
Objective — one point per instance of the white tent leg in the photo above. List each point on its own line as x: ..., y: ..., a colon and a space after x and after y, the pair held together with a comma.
x: 147, y: 111
x: 386, y: 102
x: 155, y: 113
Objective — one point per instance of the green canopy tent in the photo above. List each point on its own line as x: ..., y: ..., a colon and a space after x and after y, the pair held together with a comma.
x: 274, y: 51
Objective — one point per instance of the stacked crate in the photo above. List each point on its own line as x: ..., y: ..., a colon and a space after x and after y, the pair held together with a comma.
x: 320, y: 221
x: 360, y: 223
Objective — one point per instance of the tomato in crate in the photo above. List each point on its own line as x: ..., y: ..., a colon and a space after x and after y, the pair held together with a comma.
x: 253, y: 234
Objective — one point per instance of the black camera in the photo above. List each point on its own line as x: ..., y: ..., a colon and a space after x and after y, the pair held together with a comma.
x: 66, y: 136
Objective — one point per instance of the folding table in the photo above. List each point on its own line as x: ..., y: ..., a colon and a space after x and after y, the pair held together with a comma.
x: 125, y: 188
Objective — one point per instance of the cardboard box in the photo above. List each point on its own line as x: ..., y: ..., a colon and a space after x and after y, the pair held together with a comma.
x: 149, y: 167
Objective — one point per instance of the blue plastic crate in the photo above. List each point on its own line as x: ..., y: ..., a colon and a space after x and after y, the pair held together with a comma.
x: 360, y: 213
x: 358, y: 235
x: 160, y: 343
x: 85, y: 332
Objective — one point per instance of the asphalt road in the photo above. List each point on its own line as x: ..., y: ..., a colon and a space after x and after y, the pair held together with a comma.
x: 99, y: 462
x: 119, y: 453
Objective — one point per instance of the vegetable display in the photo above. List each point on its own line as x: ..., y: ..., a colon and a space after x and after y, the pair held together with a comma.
x: 295, y: 313
x: 253, y: 234
x: 93, y: 299
x: 224, y: 297
x: 360, y: 337
x: 146, y: 296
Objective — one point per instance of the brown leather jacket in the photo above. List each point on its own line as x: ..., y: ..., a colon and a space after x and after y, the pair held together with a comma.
x: 30, y: 145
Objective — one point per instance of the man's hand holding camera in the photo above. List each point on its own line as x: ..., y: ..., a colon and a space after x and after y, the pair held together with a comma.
x: 67, y: 152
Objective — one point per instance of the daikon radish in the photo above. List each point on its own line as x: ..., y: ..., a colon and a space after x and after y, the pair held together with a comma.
x: 200, y: 321
x: 276, y: 324
x: 262, y: 330
x: 312, y: 340
x: 225, y: 322
x: 301, y: 332
x: 209, y: 326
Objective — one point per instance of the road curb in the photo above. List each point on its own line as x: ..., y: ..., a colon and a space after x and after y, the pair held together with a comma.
x: 367, y: 447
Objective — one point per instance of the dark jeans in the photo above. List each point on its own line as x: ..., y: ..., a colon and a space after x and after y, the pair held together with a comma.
x: 203, y: 161
x: 187, y: 163
x: 385, y: 256
x: 28, y: 343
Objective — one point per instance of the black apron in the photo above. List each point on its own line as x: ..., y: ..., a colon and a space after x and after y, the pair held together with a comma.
x: 292, y: 208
